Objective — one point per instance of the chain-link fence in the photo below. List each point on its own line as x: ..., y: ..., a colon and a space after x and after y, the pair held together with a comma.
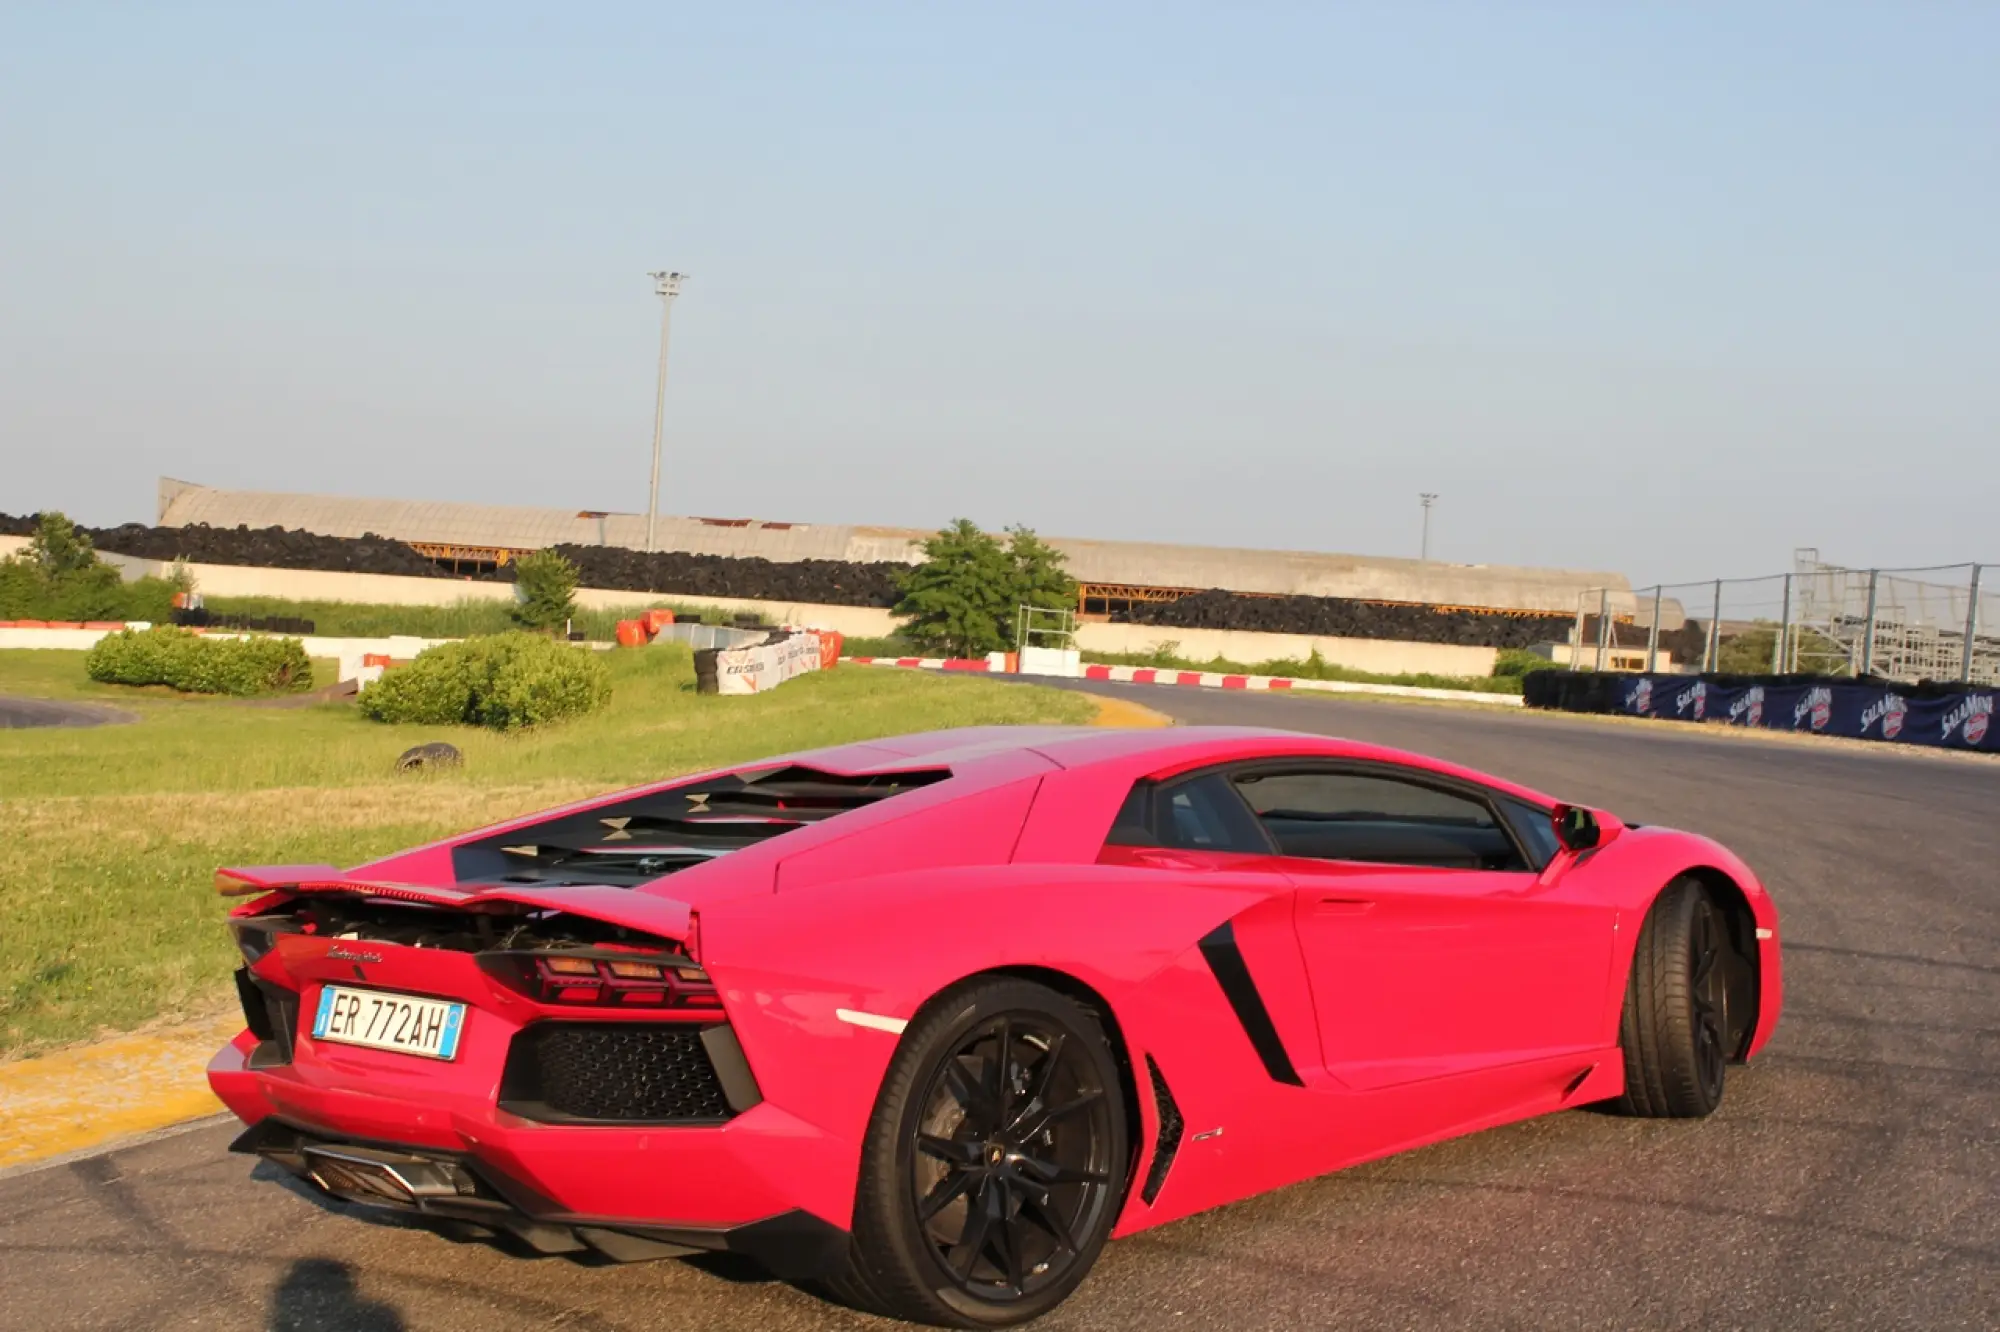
x: 1936, y: 623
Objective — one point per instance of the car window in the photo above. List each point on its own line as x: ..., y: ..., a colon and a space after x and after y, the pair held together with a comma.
x: 1535, y: 830
x: 1203, y: 814
x: 1199, y: 813
x: 1340, y: 814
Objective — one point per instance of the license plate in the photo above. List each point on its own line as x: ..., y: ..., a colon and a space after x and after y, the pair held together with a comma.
x: 399, y: 1022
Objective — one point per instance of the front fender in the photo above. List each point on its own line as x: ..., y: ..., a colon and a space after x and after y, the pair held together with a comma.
x: 1636, y: 866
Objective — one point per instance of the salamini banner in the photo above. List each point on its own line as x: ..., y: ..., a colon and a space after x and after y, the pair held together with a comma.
x: 1946, y: 717
x: 759, y: 667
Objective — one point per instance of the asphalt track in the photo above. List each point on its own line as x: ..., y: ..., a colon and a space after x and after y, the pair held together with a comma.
x: 1851, y: 1180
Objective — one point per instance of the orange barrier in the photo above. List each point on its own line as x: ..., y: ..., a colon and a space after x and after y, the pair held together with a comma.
x: 631, y: 633
x: 829, y: 648
x: 656, y: 620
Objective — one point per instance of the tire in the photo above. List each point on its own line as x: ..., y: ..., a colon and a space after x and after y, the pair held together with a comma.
x: 1049, y: 1185
x: 1675, y: 1027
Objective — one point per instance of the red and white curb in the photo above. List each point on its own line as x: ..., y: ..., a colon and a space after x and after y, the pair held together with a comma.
x: 928, y: 663
x: 1155, y: 675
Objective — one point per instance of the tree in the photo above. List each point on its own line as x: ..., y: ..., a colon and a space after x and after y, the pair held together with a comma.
x: 964, y: 597
x: 546, y: 583
x: 57, y: 548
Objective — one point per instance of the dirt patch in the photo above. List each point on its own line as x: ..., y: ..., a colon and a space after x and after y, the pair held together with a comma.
x: 21, y: 713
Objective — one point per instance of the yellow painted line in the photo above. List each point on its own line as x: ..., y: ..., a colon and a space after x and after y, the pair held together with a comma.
x: 1124, y: 712
x: 90, y: 1094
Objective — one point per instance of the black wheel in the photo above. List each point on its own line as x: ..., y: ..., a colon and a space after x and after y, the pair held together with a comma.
x: 1677, y: 1020
x: 995, y: 1163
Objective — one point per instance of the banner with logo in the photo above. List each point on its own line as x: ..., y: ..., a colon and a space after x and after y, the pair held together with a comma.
x: 1910, y: 715
x: 758, y: 667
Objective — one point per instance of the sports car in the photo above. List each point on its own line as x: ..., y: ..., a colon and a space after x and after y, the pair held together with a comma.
x: 925, y: 1021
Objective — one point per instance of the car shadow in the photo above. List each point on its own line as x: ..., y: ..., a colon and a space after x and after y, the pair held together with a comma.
x: 319, y: 1295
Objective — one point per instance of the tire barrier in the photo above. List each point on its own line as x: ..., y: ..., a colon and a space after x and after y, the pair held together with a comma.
x: 1341, y: 617
x: 757, y: 668
x: 197, y: 617
x: 840, y: 583
x: 817, y: 582
x: 1946, y: 716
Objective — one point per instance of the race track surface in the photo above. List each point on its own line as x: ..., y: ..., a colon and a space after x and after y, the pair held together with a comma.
x: 1851, y: 1180
x: 20, y: 713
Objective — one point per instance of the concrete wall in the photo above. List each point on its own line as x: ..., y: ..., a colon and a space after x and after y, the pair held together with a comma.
x: 1303, y: 573
x: 1381, y: 656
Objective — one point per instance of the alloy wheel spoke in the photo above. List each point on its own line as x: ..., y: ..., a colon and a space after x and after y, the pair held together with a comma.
x: 946, y: 1191
x: 1009, y: 1244
x: 1050, y: 1172
x: 952, y: 1151
x: 1003, y: 1081
x: 1035, y: 1206
x: 978, y: 1228
x: 966, y: 1091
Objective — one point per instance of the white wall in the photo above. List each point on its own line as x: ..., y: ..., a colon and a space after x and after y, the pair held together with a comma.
x: 1382, y: 656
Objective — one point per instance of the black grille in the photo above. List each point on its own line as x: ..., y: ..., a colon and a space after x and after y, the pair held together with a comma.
x: 1170, y: 1134
x: 612, y: 1072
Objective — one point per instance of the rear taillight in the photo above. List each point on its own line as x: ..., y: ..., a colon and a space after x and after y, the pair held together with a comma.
x: 605, y: 979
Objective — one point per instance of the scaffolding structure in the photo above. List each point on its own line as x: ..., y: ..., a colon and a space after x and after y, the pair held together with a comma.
x: 1874, y: 622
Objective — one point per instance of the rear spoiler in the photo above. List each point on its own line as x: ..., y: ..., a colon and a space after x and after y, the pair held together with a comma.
x: 629, y: 908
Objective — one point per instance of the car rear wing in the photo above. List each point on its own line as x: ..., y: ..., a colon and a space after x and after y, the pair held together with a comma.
x: 649, y: 914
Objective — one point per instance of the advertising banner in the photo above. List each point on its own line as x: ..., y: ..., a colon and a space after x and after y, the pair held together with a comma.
x: 757, y: 667
x: 1860, y: 710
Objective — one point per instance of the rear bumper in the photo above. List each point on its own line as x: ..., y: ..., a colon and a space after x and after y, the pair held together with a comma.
x: 740, y: 1186
x: 444, y: 1188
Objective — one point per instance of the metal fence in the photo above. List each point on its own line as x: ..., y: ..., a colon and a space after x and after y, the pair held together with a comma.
x: 1936, y: 623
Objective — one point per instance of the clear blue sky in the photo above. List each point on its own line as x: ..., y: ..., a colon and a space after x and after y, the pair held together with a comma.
x: 1663, y: 289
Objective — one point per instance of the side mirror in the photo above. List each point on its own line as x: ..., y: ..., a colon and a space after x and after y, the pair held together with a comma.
x: 1576, y: 827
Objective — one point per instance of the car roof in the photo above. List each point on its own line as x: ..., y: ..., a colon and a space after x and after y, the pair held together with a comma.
x: 1141, y: 749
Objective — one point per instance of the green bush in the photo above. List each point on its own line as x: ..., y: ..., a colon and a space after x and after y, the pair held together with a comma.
x: 505, y: 682
x: 1517, y: 662
x: 59, y: 577
x: 547, y: 585
x: 195, y: 664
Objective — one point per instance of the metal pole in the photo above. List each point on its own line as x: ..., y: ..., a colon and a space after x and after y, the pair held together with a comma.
x: 1576, y: 635
x: 1653, y: 633
x: 1428, y: 498
x: 1784, y: 629
x: 1711, y: 654
x: 1603, y: 623
x: 666, y: 286
x: 1971, y: 629
x: 1868, y: 634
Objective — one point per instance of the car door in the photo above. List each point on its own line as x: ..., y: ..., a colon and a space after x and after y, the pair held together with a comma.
x: 1434, y: 944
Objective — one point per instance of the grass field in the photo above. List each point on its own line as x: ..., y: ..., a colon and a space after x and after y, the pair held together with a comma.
x: 107, y: 914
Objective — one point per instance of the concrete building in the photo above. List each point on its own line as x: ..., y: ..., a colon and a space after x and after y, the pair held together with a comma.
x: 1112, y: 571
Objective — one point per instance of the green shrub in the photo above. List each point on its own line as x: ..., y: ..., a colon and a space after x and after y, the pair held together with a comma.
x: 1517, y: 662
x: 195, y: 664
x: 547, y: 584
x: 505, y: 682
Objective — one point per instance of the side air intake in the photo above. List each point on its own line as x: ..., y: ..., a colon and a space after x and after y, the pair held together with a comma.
x: 1171, y: 1128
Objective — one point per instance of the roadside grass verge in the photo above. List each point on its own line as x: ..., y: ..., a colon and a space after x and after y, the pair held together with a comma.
x: 461, y: 619
x: 112, y: 834
x: 1508, y: 669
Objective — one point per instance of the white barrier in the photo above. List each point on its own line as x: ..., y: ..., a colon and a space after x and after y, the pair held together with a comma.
x: 759, y: 667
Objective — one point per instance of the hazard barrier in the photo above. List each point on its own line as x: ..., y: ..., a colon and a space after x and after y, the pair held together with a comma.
x: 756, y: 668
x: 1946, y: 716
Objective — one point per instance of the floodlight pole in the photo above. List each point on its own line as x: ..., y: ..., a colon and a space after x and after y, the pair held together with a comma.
x: 1427, y: 498
x: 666, y: 286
